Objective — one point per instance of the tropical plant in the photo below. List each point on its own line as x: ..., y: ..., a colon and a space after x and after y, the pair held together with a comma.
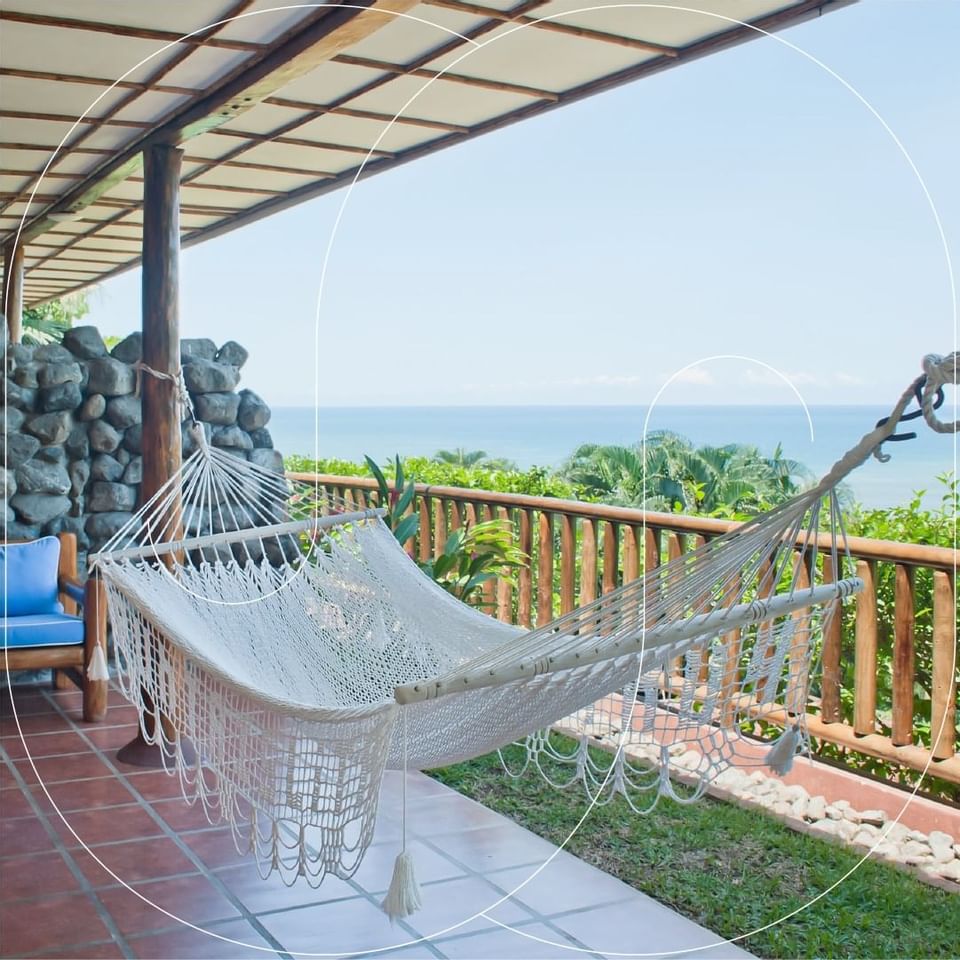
x: 472, y: 555
x: 49, y: 321
x: 669, y: 473
x: 473, y: 458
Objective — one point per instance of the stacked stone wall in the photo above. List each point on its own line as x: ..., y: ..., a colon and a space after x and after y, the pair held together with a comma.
x: 73, y: 450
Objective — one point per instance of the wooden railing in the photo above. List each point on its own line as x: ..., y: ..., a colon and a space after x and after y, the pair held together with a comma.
x: 579, y: 550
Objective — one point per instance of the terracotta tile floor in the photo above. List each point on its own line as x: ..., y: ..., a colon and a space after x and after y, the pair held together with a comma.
x: 56, y: 901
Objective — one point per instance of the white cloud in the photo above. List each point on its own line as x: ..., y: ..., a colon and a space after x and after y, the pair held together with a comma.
x: 694, y: 375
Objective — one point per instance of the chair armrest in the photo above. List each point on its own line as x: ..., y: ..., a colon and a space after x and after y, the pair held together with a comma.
x: 73, y: 588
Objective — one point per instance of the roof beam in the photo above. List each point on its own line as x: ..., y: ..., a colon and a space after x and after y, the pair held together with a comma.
x: 555, y: 26
x: 299, y: 52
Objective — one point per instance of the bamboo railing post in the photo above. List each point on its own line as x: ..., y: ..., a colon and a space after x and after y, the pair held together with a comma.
x: 439, y: 527
x: 800, y: 648
x: 504, y: 588
x: 545, y: 569
x: 611, y: 556
x: 568, y: 562
x: 525, y: 600
x: 631, y: 553
x: 489, y: 589
x: 588, y: 561
x: 423, y: 533
x: 865, y: 652
x: 830, y: 653
x: 944, y: 694
x: 903, y: 655
x: 730, y: 685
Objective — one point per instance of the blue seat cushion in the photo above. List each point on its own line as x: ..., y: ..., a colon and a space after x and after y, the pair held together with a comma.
x: 42, y: 630
x: 28, y: 577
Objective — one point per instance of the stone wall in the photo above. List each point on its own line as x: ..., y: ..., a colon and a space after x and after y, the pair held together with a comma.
x: 74, y: 437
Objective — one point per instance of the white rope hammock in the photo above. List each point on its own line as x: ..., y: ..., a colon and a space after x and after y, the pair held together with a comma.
x: 287, y: 636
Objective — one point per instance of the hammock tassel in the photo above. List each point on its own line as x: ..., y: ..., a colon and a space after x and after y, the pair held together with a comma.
x: 780, y: 757
x: 403, y: 897
x: 97, y: 667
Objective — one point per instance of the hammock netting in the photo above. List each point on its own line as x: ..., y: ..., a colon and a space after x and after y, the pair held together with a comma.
x: 286, y: 636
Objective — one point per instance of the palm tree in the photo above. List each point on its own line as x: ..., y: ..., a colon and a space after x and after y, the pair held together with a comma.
x: 669, y: 473
x: 473, y: 458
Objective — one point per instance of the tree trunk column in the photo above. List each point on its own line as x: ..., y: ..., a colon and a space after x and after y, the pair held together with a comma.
x: 13, y: 291
x: 161, y: 352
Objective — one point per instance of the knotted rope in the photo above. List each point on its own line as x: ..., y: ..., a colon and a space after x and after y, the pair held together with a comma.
x: 183, y: 395
x: 937, y: 372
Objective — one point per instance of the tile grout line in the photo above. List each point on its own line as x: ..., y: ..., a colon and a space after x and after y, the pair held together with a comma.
x: 209, y: 875
x: 535, y: 914
x: 85, y: 886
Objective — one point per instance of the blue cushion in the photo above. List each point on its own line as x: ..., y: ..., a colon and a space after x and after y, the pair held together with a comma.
x: 28, y: 577
x: 42, y: 630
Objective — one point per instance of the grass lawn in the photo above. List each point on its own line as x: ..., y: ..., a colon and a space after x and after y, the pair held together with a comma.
x: 733, y: 871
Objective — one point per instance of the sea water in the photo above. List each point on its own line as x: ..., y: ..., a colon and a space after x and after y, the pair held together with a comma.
x: 546, y: 436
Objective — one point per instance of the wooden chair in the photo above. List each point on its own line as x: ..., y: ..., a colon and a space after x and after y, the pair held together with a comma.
x: 65, y: 641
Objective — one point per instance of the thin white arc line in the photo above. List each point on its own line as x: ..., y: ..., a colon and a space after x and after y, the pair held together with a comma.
x: 430, y: 81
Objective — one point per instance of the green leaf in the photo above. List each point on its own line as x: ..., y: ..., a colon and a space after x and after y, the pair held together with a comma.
x: 381, y: 481
x: 407, y: 528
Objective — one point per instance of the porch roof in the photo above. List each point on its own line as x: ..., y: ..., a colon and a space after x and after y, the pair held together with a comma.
x: 283, y: 104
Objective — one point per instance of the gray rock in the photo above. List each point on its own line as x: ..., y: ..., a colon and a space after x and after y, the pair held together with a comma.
x: 268, y: 459
x: 199, y: 348
x: 79, y: 474
x: 100, y: 527
x: 874, y: 818
x: 52, y: 353
x: 21, y: 352
x: 27, y: 375
x: 133, y: 439
x: 105, y: 467
x: 55, y: 455
x: 20, y: 448
x: 64, y: 396
x: 39, y: 508
x: 8, y: 483
x: 914, y: 849
x: 74, y: 525
x: 129, y: 349
x: 53, y: 374
x: 93, y: 407
x: 217, y: 408
x: 23, y: 398
x: 50, y: 427
x: 261, y: 438
x: 950, y: 871
x: 816, y: 808
x: 133, y: 472
x: 22, y: 531
x: 205, y: 376
x: 123, y: 412
x: 231, y: 352
x: 122, y: 456
x: 110, y: 497
x: 77, y: 445
x: 231, y: 437
x: 253, y: 413
x: 84, y: 342
x: 12, y: 419
x: 110, y: 377
x: 103, y: 438
x: 35, y: 476
x: 8, y: 515
x: 941, y: 845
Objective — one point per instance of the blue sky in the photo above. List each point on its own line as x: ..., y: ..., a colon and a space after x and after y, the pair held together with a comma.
x: 742, y: 204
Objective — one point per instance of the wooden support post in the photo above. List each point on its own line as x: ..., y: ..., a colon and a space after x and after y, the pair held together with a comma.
x: 904, y: 604
x: 525, y: 600
x: 545, y: 570
x: 13, y: 291
x: 588, y: 561
x: 944, y: 693
x: 504, y: 586
x: 161, y: 351
x: 95, y: 617
x: 568, y: 562
x: 865, y: 652
x: 830, y: 655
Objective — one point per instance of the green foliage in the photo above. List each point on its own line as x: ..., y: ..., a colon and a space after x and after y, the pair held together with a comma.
x: 731, y: 870
x: 536, y: 481
x: 669, y: 474
x: 472, y: 556
x: 473, y: 458
x: 49, y: 321
x: 909, y: 523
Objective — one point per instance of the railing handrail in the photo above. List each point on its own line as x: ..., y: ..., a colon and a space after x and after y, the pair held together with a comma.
x: 866, y: 548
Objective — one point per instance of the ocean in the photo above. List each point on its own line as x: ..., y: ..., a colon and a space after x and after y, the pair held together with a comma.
x: 545, y: 436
